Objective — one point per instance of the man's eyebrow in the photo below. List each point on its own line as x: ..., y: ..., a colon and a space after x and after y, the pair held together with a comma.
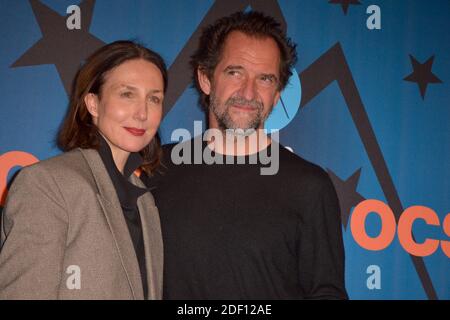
x: 238, y: 67
x: 233, y: 67
x: 156, y: 91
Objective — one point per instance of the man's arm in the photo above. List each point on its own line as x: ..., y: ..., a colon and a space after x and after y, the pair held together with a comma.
x: 321, y: 248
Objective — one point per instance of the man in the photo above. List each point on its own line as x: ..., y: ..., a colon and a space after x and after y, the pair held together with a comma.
x: 229, y: 231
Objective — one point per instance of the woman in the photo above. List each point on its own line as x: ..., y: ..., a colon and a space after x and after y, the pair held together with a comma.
x: 81, y: 225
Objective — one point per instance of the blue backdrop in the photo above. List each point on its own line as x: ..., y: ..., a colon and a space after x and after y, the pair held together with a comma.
x: 374, y: 111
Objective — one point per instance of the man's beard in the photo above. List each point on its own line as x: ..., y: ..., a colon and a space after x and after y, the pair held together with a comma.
x: 223, y: 116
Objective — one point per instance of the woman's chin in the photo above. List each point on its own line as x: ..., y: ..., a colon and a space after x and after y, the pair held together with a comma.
x: 133, y: 147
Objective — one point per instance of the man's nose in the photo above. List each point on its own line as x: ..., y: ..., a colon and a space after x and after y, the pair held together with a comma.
x: 248, y: 89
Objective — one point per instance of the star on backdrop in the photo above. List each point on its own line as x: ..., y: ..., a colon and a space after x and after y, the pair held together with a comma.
x: 60, y: 46
x: 345, y: 4
x: 422, y: 74
x: 347, y: 194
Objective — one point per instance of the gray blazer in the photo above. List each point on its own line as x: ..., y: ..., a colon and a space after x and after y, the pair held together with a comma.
x: 64, y: 235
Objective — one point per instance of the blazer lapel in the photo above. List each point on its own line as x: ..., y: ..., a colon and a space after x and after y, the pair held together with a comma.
x: 109, y: 202
x: 153, y: 245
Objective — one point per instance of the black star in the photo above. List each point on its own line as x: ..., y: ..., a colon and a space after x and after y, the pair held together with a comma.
x: 344, y: 3
x: 347, y: 194
x: 64, y: 48
x: 422, y: 74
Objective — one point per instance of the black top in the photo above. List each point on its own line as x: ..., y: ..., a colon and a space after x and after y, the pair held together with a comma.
x: 231, y: 233
x: 128, y: 194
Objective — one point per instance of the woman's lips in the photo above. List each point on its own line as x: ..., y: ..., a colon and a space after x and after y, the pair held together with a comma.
x: 135, y: 131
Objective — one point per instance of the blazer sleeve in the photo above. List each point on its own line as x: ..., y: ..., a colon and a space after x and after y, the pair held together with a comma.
x: 33, y: 237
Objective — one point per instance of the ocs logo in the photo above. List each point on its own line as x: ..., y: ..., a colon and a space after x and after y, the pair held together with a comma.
x: 288, y: 105
x: 8, y: 161
x: 403, y: 227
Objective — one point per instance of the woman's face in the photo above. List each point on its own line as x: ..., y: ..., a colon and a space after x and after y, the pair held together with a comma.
x: 128, y: 110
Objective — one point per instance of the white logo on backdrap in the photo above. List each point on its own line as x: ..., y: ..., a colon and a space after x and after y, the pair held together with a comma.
x: 73, y: 22
x: 373, y: 22
x: 374, y: 280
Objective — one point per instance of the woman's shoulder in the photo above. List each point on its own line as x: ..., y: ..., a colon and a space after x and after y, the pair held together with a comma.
x: 64, y: 160
x: 70, y: 166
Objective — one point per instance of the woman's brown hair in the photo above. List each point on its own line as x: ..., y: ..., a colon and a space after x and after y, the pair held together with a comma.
x: 78, y: 130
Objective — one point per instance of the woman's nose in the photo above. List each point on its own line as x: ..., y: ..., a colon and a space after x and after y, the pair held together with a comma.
x: 141, y: 112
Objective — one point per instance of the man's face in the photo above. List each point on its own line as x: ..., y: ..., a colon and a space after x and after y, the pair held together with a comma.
x: 244, y: 86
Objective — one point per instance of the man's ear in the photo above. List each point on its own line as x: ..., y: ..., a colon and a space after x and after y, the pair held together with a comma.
x: 204, y: 82
x: 91, y: 101
x: 276, y: 98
